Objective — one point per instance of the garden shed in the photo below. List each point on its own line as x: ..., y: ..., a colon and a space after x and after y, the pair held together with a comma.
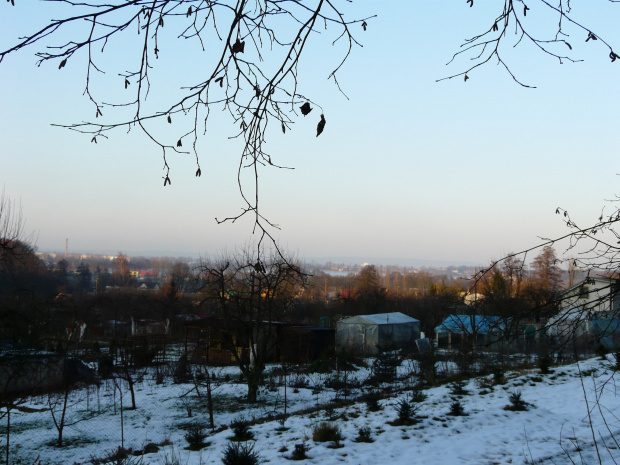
x: 486, y: 329
x: 366, y: 334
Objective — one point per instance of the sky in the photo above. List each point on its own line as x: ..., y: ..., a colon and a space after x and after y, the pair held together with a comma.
x: 407, y: 168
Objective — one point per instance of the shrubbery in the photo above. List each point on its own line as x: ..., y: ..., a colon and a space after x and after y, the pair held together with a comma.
x: 240, y: 454
x: 299, y: 453
x: 457, y: 409
x: 517, y: 404
x: 406, y: 414
x: 364, y: 435
x: 326, y: 432
x: 241, y: 428
x: 195, y: 436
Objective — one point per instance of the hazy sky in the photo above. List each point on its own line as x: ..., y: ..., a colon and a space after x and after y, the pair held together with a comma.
x: 406, y: 168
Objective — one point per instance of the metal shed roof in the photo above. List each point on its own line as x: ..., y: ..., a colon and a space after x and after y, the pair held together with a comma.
x: 393, y: 318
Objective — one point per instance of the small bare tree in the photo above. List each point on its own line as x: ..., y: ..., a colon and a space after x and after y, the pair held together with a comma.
x: 251, y: 295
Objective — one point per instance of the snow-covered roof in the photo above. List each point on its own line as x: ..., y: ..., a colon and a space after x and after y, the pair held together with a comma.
x: 394, y: 318
x: 595, y: 281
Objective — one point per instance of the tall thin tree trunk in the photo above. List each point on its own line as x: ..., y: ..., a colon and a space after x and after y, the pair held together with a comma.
x: 61, y: 425
x: 120, y: 394
x: 210, y: 402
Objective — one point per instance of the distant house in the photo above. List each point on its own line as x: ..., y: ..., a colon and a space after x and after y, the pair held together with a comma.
x: 367, y: 334
x: 589, y: 313
x: 456, y: 328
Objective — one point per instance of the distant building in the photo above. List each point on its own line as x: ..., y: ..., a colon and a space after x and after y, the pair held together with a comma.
x: 367, y: 334
x: 589, y: 313
x: 456, y: 328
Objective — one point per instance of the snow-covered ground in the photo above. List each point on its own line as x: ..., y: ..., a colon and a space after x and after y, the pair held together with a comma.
x: 556, y: 429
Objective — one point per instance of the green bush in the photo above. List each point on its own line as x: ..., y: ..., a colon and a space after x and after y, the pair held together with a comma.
x: 299, y: 453
x: 405, y: 410
x: 240, y: 454
x: 326, y: 432
x: 458, y: 389
x: 363, y: 435
x: 372, y: 402
x: 418, y: 396
x: 544, y: 364
x: 406, y: 414
x: 241, y: 428
x: 517, y: 404
x: 457, y: 409
x: 195, y: 436
x: 386, y: 365
x: 498, y: 376
x: 182, y: 371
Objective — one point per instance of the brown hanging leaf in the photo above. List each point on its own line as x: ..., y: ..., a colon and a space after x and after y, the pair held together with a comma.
x: 591, y: 36
x: 613, y: 56
x: 466, y: 78
x: 283, y: 129
x: 198, y: 172
x: 167, y: 181
x: 238, y: 46
x: 169, y: 120
x: 220, y: 80
x: 568, y: 45
x: 305, y: 108
x: 94, y: 139
x: 98, y: 114
x: 189, y: 11
x: 525, y: 8
x: 179, y: 144
x: 364, y: 25
x: 471, y: 3
x: 161, y: 21
x: 320, y: 126
x: 495, y: 28
x: 258, y: 267
x: 62, y: 64
x: 127, y: 83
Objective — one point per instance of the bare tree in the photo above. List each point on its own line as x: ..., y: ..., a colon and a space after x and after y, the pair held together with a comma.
x: 252, y: 54
x: 251, y: 295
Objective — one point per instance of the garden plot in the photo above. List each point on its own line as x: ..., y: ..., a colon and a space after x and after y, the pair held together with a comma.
x: 554, y: 426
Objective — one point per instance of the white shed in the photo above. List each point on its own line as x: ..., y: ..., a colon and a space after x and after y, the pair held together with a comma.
x: 366, y: 334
